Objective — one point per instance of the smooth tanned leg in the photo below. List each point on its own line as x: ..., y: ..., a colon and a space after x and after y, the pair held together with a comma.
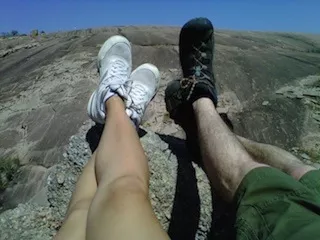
x: 226, y: 161
x: 114, y: 184
x: 74, y: 226
x: 121, y: 208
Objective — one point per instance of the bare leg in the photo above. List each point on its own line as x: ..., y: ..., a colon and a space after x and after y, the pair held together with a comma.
x: 74, y: 226
x: 276, y: 157
x: 121, y: 208
x: 111, y: 200
x: 225, y: 159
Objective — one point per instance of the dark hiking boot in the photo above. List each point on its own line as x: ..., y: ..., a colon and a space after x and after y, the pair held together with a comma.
x: 196, y: 46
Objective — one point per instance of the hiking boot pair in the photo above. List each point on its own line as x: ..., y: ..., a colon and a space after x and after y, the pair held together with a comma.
x: 196, y: 47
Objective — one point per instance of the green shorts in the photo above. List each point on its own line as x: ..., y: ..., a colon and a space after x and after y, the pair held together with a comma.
x: 272, y: 205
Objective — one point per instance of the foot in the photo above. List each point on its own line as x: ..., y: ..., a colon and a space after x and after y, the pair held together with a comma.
x: 144, y: 85
x: 114, y: 66
x: 196, y: 57
x: 185, y: 117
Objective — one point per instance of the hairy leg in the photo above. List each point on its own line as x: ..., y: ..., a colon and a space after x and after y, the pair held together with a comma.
x: 276, y: 157
x: 74, y: 226
x: 121, y: 208
x: 226, y: 161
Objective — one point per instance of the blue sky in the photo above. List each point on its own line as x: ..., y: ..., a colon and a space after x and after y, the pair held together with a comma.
x: 57, y: 15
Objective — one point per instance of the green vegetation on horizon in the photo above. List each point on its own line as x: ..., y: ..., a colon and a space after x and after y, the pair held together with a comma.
x: 8, y: 168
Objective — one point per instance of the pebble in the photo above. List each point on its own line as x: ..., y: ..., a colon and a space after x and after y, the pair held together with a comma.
x: 305, y: 156
x: 316, y: 165
x: 167, y: 215
x: 60, y: 178
x: 265, y: 103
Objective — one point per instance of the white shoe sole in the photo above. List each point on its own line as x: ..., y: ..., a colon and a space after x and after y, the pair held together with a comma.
x: 109, y: 44
x: 90, y: 108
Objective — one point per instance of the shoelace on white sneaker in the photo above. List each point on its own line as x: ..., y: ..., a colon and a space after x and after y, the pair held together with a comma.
x: 117, y: 71
x: 138, y: 98
x: 112, y: 82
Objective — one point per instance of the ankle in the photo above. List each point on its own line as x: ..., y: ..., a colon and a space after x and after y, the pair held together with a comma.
x: 202, y: 102
x: 114, y: 102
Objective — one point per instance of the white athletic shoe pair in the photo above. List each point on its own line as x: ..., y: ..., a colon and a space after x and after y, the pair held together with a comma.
x: 136, y: 88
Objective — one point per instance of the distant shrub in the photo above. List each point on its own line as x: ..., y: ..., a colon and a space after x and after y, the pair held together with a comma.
x: 42, y: 32
x: 14, y: 33
x: 8, y: 167
x: 314, y: 154
x: 5, y: 34
x: 314, y: 50
x: 34, y: 33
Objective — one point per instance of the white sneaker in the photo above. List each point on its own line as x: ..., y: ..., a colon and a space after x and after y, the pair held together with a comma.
x: 145, y: 83
x: 114, y: 65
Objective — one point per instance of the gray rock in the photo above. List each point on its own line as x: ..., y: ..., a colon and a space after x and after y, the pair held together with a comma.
x: 177, y: 188
x: 312, y: 92
x: 28, y: 222
x: 43, y: 104
x: 316, y: 117
x: 60, y: 178
x: 305, y: 156
x: 316, y: 165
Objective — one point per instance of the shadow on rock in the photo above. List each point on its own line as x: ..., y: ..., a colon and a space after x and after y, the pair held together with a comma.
x: 94, y: 134
x: 185, y: 215
x: 223, y: 219
x: 186, y: 207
